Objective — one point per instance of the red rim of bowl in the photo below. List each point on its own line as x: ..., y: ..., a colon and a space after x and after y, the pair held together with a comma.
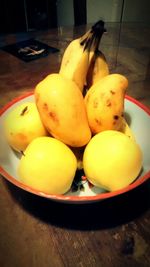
x: 66, y: 198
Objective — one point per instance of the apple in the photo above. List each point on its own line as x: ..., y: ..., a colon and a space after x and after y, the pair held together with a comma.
x: 48, y: 165
x: 22, y: 125
x: 112, y: 160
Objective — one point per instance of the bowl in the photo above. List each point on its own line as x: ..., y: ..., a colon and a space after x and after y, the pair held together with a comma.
x: 137, y: 116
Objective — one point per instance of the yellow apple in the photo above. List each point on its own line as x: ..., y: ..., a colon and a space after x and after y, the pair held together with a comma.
x: 48, y: 165
x: 22, y: 125
x: 112, y: 160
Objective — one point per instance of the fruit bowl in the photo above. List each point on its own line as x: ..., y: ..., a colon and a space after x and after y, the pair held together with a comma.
x: 137, y: 116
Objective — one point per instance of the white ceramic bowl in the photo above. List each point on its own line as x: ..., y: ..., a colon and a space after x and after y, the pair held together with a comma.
x: 138, y: 117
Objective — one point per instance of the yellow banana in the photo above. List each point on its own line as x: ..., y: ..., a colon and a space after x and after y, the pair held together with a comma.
x: 98, y: 68
x: 78, y: 152
x: 70, y: 58
x: 77, y: 56
x: 75, y: 63
x: 127, y: 130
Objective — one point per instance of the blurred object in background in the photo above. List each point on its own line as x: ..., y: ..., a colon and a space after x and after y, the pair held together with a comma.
x: 12, y: 16
x: 80, y: 12
x: 27, y: 15
x: 41, y: 14
x: 71, y: 12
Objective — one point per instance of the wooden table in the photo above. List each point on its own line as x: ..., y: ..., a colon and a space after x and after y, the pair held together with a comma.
x: 37, y: 232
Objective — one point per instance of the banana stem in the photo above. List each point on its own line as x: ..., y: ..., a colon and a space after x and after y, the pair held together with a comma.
x: 84, y: 37
x: 91, y: 39
x: 89, y: 43
x: 97, y: 30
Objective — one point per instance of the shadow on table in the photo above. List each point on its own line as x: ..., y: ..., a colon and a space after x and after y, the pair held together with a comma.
x: 98, y: 215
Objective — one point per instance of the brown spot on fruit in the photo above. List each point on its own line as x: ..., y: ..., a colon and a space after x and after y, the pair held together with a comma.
x: 53, y: 116
x: 66, y: 62
x: 108, y: 103
x: 98, y: 121
x: 112, y: 92
x: 45, y: 106
x: 116, y: 117
x: 21, y: 137
x: 95, y: 103
x: 24, y: 111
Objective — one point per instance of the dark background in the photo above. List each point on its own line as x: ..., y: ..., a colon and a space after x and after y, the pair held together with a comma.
x: 26, y: 15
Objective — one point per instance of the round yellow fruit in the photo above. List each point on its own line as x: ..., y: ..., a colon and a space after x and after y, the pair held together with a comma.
x: 112, y: 160
x: 48, y: 165
x: 22, y: 125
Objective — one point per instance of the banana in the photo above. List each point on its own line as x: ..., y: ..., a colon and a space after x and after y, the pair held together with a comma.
x: 71, y: 57
x: 75, y: 63
x: 77, y: 56
x: 80, y: 72
x: 98, y: 68
x: 78, y: 152
x: 125, y: 128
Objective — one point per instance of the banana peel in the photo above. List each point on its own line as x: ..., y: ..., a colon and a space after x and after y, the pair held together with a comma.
x: 79, y: 53
x: 78, y: 152
x: 125, y: 128
x: 98, y: 68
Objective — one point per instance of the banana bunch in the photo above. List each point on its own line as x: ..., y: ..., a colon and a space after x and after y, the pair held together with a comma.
x: 86, y: 65
x: 82, y: 62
